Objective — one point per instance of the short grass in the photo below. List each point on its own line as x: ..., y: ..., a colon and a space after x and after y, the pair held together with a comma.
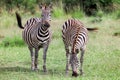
x: 101, y: 60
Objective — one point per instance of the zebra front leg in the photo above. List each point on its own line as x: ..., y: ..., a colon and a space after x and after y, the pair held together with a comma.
x: 81, y: 61
x: 67, y: 61
x: 36, y: 59
x: 45, y: 48
x: 32, y: 58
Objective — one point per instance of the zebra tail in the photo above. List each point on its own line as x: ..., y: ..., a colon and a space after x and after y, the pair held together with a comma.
x: 92, y: 29
x: 19, y: 21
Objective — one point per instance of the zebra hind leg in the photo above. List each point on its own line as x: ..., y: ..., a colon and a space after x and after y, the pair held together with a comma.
x: 32, y: 58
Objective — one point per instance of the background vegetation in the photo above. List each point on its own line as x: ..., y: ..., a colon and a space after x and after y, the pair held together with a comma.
x: 89, y: 7
x: 102, y: 57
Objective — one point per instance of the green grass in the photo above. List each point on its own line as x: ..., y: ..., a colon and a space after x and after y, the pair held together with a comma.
x: 101, y: 60
x: 58, y: 12
x: 12, y: 41
x: 77, y: 14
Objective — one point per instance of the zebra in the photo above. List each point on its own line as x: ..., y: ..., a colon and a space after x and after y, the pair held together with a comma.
x: 75, y: 38
x: 36, y: 35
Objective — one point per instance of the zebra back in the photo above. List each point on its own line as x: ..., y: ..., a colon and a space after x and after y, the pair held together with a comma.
x: 74, y: 34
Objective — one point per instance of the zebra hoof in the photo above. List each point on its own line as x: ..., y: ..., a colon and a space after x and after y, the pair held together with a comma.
x: 34, y: 69
x: 44, y: 69
x: 81, y: 73
x: 66, y: 74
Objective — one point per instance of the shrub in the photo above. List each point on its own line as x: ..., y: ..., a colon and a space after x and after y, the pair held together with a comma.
x: 77, y: 14
x: 57, y: 12
x: 12, y: 41
x: 118, y: 15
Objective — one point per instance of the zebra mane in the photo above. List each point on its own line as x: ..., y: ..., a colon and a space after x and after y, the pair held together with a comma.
x: 75, y: 41
x: 45, y: 6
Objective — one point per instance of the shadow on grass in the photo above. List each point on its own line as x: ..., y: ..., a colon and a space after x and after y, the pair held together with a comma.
x: 14, y: 69
x: 50, y: 72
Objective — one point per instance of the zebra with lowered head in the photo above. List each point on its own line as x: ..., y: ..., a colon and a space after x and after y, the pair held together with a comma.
x: 36, y: 35
x: 75, y: 37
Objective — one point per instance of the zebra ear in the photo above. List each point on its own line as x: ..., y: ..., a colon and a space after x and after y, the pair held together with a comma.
x: 40, y: 5
x: 50, y: 5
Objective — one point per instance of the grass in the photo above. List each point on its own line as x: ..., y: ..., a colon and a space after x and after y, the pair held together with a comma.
x: 101, y: 60
x: 14, y: 41
x: 77, y: 14
x: 58, y: 12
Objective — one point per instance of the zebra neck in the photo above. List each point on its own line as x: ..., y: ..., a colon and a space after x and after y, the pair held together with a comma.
x: 42, y: 30
x: 43, y: 34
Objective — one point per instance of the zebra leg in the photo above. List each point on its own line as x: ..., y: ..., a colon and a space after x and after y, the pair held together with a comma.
x: 32, y: 58
x: 45, y: 48
x: 36, y: 59
x: 81, y: 61
x: 67, y: 61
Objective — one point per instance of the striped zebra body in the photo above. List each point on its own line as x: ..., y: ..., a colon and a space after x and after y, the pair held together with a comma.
x: 37, y: 35
x: 75, y: 37
x: 32, y: 21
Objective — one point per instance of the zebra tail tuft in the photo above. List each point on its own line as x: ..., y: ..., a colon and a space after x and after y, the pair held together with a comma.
x: 19, y: 20
x: 92, y: 29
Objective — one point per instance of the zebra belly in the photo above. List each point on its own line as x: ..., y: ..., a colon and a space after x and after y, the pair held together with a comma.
x: 35, y: 43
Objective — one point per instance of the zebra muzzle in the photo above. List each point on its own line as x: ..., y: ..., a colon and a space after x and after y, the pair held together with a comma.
x: 46, y: 24
x: 74, y: 74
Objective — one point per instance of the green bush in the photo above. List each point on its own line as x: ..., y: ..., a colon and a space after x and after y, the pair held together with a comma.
x: 116, y: 1
x: 77, y: 14
x: 118, y: 15
x: 115, y: 14
x: 30, y: 5
x: 100, y: 13
x: 12, y: 41
x: 57, y: 12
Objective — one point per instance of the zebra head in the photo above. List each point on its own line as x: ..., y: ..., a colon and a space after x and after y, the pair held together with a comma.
x: 46, y: 14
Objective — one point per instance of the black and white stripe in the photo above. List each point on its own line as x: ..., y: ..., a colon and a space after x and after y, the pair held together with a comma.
x: 75, y: 37
x: 32, y: 21
x: 37, y: 35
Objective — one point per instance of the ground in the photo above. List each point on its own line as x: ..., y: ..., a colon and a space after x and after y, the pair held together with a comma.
x: 101, y: 60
